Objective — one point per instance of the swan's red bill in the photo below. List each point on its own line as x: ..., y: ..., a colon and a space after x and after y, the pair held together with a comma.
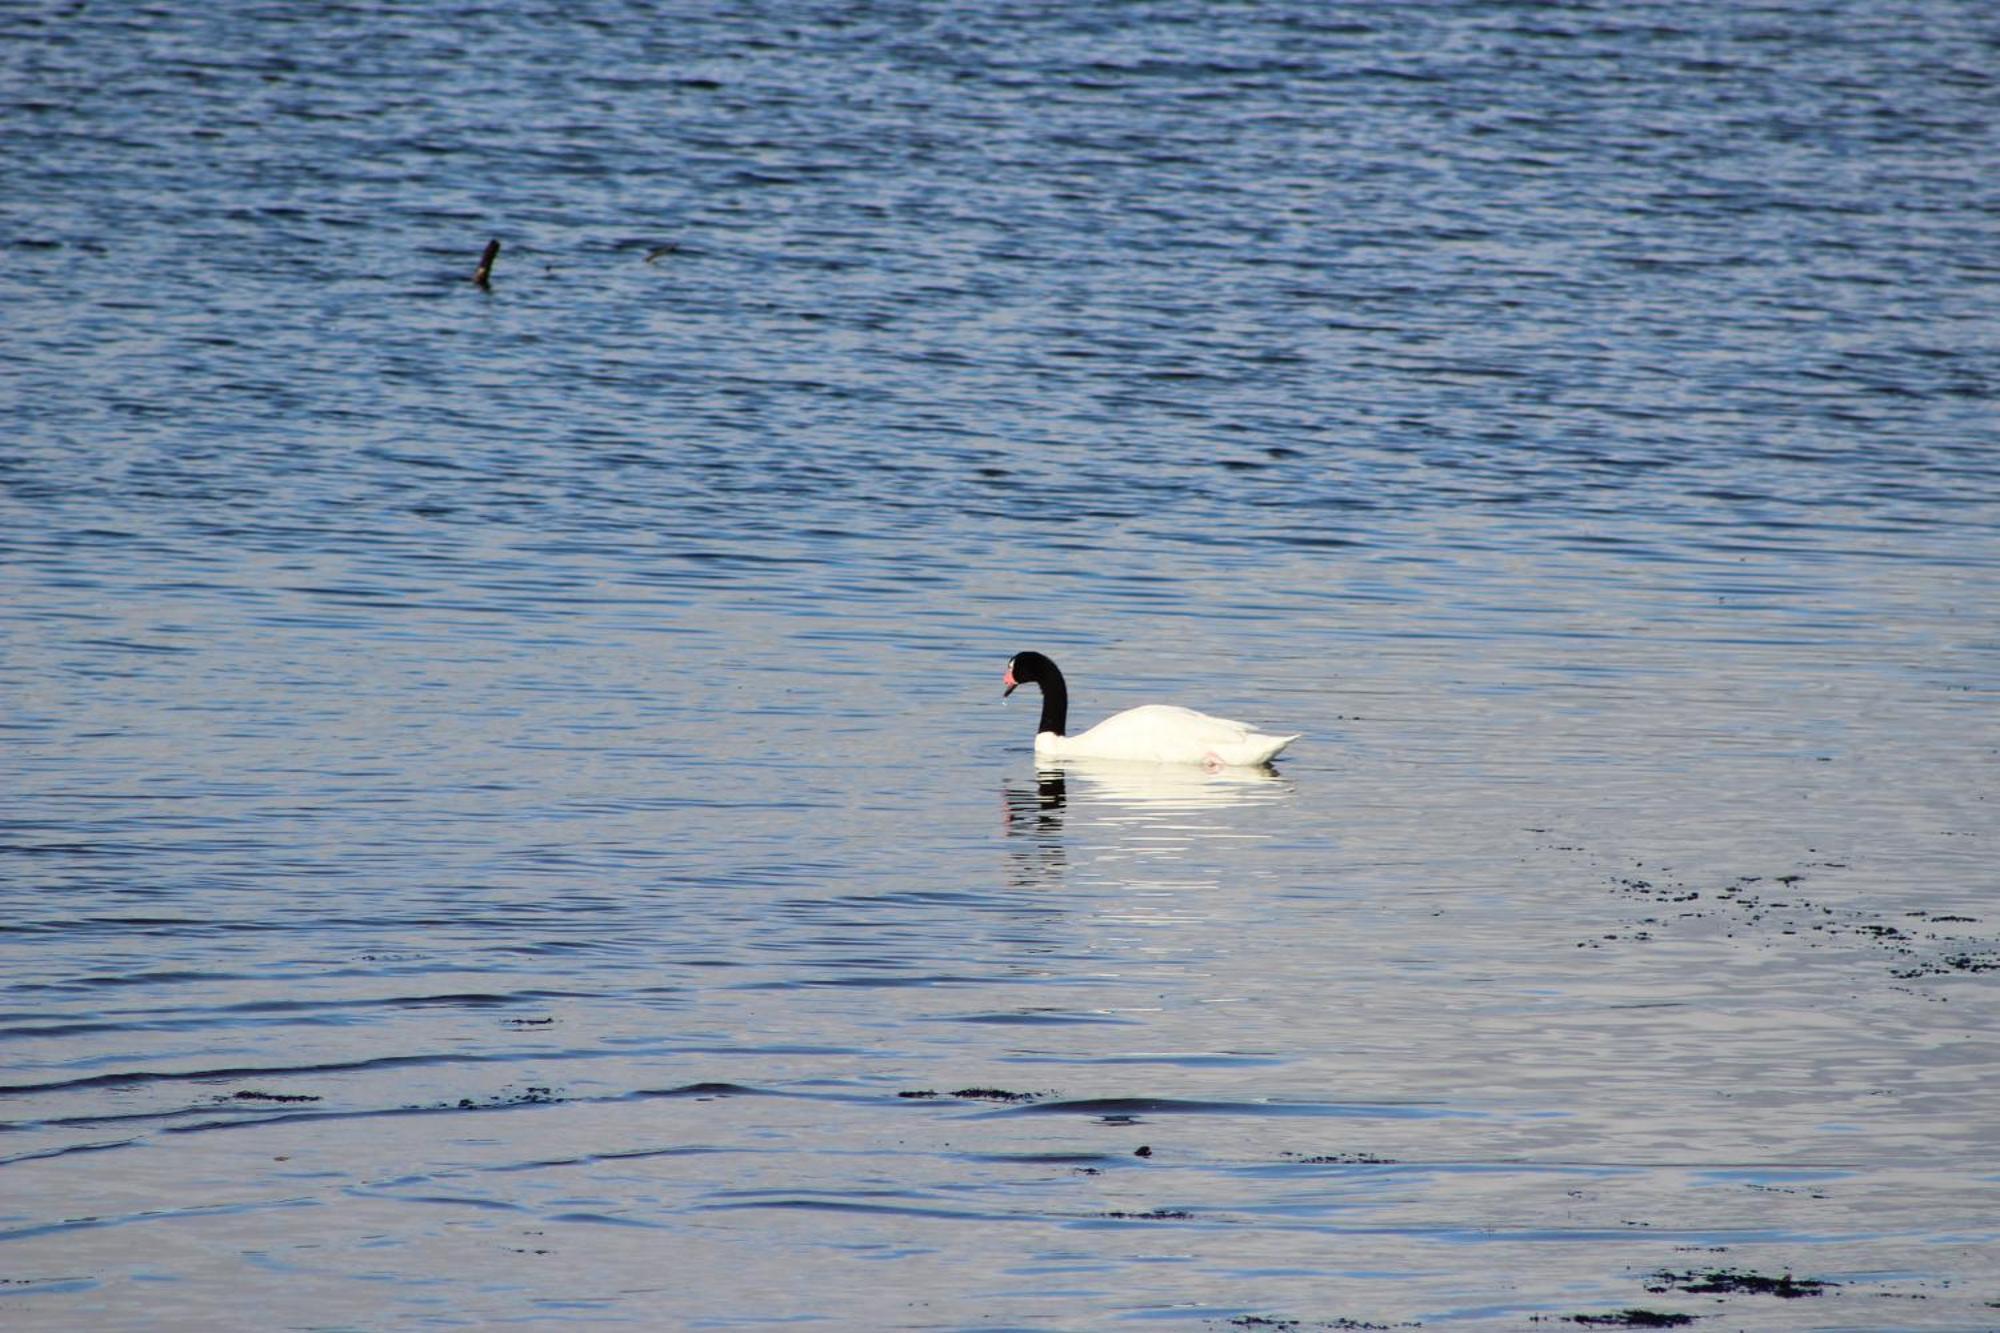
x: 1009, y: 681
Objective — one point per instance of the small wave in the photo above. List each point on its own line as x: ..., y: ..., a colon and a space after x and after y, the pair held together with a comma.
x: 1132, y: 1108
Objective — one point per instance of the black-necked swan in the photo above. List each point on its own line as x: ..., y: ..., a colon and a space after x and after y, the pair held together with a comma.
x: 1150, y: 733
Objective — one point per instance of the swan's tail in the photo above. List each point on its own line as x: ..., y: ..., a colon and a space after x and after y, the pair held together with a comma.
x: 1255, y: 748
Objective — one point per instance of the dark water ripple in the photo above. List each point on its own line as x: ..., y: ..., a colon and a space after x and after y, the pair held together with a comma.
x: 575, y: 699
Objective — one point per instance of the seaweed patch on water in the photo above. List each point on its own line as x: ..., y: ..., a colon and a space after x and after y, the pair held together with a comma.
x: 1632, y: 1318
x: 1730, y: 1281
x: 1926, y: 944
x: 1338, y: 1159
x: 1804, y: 1191
x: 251, y: 1095
x: 525, y: 1097
x: 1258, y: 1321
x: 974, y: 1095
x: 999, y: 1095
x: 1152, y: 1215
x: 1988, y: 961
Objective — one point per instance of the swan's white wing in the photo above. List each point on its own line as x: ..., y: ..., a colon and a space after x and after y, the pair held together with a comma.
x: 1168, y: 734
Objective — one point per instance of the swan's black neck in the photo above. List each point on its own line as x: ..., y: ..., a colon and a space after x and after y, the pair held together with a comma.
x: 1055, y: 701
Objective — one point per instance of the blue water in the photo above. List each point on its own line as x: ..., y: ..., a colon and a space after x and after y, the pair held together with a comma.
x: 508, y: 814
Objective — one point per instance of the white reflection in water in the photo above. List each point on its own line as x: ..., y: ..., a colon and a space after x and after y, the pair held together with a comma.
x: 1156, y: 788
x: 1102, y: 812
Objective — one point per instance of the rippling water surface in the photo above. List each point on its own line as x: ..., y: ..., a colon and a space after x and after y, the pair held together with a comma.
x: 508, y: 814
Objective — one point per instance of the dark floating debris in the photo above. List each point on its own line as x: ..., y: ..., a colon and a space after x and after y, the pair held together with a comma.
x: 1723, y: 1281
x: 247, y: 1095
x: 1633, y: 1318
x: 1961, y: 962
x: 997, y: 1095
x: 1339, y: 1159
x: 1266, y: 1321
x: 484, y: 272
x: 1742, y: 913
x: 975, y: 1094
x: 1156, y: 1215
x: 1143, y: 1150
x: 526, y: 1097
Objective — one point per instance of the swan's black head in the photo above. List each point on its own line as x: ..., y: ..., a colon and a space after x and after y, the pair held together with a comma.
x: 1028, y: 668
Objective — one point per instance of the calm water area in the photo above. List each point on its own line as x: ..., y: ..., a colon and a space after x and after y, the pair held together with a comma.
x: 507, y: 815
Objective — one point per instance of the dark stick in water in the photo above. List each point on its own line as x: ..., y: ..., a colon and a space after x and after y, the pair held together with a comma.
x: 485, y: 269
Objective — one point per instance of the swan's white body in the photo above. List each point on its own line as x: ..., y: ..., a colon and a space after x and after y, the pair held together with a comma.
x: 1149, y: 734
x: 1165, y: 734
